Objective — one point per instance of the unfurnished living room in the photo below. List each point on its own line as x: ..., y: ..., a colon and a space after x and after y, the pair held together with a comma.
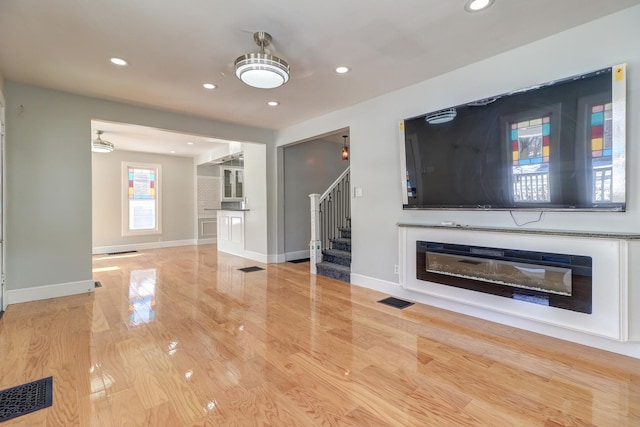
x: 416, y: 213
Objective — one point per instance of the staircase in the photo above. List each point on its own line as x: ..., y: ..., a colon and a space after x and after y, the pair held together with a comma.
x: 330, y: 245
x: 336, y: 262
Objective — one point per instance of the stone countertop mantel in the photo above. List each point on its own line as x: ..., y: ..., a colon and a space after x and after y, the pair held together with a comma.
x: 586, y: 234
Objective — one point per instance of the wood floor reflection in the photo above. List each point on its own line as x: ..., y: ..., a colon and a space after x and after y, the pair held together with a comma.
x: 180, y: 337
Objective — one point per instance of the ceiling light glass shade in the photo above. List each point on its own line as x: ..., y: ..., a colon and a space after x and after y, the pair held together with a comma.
x: 477, y: 5
x: 99, y: 145
x: 262, y: 70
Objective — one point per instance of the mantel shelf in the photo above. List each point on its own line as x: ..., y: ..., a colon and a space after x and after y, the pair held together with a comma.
x: 586, y: 234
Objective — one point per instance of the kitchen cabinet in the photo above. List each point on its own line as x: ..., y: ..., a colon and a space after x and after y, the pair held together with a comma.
x: 232, y: 184
x: 231, y: 231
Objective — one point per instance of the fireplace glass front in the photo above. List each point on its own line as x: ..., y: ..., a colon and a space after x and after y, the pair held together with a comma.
x: 557, y: 280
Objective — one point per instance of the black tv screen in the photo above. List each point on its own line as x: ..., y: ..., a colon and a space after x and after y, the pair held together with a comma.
x: 555, y: 146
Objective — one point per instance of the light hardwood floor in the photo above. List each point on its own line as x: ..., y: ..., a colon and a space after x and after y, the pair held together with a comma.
x: 180, y: 337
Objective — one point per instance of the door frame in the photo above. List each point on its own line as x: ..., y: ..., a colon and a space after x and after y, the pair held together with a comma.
x: 3, y: 193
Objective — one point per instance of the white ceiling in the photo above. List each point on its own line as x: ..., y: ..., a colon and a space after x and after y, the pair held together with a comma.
x: 149, y: 140
x: 173, y: 47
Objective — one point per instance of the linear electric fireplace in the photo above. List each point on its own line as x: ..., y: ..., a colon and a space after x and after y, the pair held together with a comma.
x: 555, y: 280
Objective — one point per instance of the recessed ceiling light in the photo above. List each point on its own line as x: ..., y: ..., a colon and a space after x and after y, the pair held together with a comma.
x: 209, y: 86
x: 342, y: 69
x: 172, y: 151
x: 273, y: 103
x: 189, y: 143
x: 477, y: 5
x: 119, y: 61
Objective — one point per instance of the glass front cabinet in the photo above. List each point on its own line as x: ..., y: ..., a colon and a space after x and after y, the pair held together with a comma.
x: 232, y: 184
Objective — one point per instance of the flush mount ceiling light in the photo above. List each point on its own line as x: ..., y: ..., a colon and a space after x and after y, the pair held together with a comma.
x: 99, y: 145
x: 260, y: 69
x: 342, y: 69
x: 209, y: 86
x: 118, y: 61
x: 477, y: 5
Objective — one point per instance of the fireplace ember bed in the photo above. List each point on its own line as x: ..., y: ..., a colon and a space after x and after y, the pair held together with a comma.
x: 555, y: 280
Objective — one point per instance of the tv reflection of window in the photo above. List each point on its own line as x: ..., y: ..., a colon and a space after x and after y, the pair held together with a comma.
x: 601, y: 138
x: 530, y: 140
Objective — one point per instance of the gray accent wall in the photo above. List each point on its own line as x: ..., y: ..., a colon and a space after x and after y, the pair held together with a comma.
x: 48, y: 212
x: 309, y: 167
x: 176, y: 192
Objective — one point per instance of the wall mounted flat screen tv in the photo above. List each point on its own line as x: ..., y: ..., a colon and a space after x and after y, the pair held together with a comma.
x: 554, y: 146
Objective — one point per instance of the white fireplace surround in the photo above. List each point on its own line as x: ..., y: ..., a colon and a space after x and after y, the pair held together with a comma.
x: 614, y: 324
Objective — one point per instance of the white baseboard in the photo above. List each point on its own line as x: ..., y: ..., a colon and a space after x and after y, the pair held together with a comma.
x: 142, y: 246
x: 631, y: 349
x: 289, y: 256
x: 277, y: 258
x: 256, y: 256
x: 35, y: 293
x: 210, y: 241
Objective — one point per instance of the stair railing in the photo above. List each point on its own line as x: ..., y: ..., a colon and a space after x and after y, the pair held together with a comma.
x: 330, y: 212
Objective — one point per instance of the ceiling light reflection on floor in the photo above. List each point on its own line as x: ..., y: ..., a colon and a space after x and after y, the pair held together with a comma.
x: 117, y: 256
x: 102, y: 269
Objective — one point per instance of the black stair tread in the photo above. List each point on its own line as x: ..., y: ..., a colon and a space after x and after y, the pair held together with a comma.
x: 332, y: 266
x: 337, y: 253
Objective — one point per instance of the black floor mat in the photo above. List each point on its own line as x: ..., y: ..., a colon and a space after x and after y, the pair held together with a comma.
x: 395, y: 302
x: 26, y: 398
x: 251, y: 269
x: 298, y: 261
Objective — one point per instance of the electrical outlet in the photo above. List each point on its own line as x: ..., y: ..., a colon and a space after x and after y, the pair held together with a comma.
x: 396, y: 269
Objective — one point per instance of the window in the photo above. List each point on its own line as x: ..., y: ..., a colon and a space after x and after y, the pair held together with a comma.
x: 141, y: 199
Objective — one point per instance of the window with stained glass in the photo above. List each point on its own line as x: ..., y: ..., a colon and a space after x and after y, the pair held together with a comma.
x: 141, y: 207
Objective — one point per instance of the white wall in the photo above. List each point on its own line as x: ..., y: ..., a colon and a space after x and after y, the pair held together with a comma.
x: 176, y: 191
x: 375, y: 159
x: 255, y: 177
x: 49, y: 177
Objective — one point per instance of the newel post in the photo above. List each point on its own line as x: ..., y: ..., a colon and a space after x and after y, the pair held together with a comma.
x: 315, y: 245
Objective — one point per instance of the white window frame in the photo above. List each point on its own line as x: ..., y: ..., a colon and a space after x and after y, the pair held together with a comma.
x: 126, y: 231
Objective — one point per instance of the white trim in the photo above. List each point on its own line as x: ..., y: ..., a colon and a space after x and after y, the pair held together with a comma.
x: 3, y: 204
x: 210, y: 241
x: 142, y: 246
x: 292, y: 256
x: 256, y: 256
x: 202, y: 222
x: 35, y: 293
x: 631, y: 349
x: 277, y: 258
